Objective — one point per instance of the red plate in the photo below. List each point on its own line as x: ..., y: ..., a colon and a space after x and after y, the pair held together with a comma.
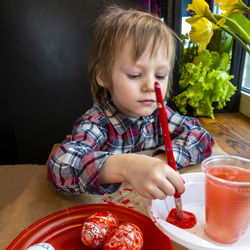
x: 62, y: 229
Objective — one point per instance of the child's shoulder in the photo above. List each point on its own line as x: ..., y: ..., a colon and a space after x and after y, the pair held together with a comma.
x: 94, y: 115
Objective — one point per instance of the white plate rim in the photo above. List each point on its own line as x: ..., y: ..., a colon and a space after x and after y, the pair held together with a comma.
x: 190, y: 244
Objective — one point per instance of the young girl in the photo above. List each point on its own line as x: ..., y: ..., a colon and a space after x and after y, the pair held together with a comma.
x: 130, y: 51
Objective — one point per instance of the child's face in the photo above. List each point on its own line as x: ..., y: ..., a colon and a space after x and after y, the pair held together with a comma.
x: 133, y: 83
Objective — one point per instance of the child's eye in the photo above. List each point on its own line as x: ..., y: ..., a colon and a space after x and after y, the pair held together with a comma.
x: 133, y: 77
x: 160, y: 77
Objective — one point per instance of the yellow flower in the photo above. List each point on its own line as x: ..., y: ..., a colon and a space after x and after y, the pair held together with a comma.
x: 201, y: 31
x: 204, y: 22
x: 231, y: 6
x: 201, y: 8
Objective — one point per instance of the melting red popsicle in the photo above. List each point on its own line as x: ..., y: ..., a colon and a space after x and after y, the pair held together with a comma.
x: 188, y: 220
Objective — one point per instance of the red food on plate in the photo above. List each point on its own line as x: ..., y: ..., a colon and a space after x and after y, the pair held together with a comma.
x: 127, y: 236
x: 97, y: 228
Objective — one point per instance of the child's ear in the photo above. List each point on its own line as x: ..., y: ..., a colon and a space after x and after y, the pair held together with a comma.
x: 99, y: 79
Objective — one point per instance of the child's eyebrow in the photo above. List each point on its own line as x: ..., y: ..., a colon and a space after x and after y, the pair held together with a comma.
x: 164, y: 66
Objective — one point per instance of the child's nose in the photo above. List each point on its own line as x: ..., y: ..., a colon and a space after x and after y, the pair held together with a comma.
x: 148, y: 84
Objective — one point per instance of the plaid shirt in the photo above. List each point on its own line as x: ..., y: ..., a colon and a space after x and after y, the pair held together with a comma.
x: 103, y: 131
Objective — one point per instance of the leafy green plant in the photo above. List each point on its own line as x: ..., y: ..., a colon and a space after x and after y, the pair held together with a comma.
x: 205, y: 80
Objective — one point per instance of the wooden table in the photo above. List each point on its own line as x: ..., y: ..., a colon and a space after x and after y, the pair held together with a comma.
x: 231, y: 131
x: 27, y: 197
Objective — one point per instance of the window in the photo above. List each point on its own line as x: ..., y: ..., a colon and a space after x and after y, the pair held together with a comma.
x: 246, y: 74
x: 245, y: 93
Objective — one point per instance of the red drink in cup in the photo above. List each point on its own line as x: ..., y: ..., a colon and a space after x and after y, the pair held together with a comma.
x: 227, y: 197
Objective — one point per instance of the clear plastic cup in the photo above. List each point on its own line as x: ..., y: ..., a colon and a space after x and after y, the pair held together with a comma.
x: 227, y: 197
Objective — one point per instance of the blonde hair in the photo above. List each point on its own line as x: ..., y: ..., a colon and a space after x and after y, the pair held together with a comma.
x: 114, y: 28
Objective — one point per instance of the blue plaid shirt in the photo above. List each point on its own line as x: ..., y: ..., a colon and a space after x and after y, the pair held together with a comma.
x: 103, y: 131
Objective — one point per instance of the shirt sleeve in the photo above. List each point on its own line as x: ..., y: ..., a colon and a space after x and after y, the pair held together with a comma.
x: 75, y: 166
x: 191, y: 143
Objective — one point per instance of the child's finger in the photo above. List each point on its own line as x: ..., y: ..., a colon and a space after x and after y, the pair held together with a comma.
x: 176, y: 180
x: 158, y: 194
x: 166, y: 187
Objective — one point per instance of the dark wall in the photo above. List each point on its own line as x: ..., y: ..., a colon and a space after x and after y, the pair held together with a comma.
x: 43, y: 66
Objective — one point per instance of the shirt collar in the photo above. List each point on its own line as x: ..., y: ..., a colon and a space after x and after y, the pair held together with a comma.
x: 120, y: 122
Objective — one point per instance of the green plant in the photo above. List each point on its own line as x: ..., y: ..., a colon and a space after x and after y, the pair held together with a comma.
x: 205, y: 80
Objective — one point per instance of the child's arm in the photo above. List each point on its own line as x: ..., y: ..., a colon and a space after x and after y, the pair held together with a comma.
x: 75, y: 166
x: 79, y: 165
x: 150, y: 176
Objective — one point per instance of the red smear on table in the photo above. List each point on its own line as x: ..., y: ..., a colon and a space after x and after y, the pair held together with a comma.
x: 128, y: 189
x: 111, y: 203
x: 107, y: 199
x: 125, y: 201
x: 188, y: 220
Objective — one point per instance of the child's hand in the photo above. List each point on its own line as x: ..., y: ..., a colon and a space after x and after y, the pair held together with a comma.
x: 153, y: 178
x: 150, y: 176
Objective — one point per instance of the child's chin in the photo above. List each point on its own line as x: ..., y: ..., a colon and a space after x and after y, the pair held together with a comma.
x: 143, y: 114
